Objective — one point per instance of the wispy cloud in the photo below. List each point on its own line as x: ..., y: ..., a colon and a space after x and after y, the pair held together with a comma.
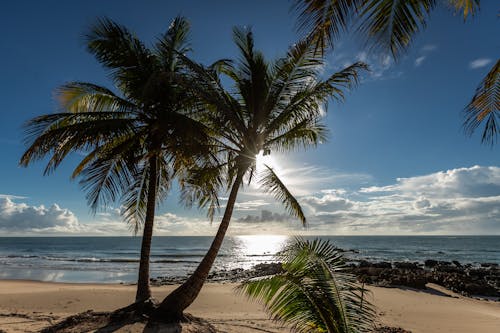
x: 419, y: 60
x: 424, y: 53
x: 480, y: 62
x: 428, y: 48
x: 381, y: 64
x: 10, y: 196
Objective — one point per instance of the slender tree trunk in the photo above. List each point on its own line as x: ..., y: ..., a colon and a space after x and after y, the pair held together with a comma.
x: 172, y: 307
x: 143, y: 288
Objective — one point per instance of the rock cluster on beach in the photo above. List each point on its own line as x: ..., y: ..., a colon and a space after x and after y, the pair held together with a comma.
x: 469, y: 280
x: 466, y: 279
x: 232, y: 275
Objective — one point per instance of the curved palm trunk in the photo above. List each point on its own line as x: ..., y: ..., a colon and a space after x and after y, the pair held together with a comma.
x: 176, y: 302
x: 143, y: 288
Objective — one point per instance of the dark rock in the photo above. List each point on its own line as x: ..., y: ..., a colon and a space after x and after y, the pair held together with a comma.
x: 489, y: 264
x: 382, y: 264
x: 430, y: 263
x: 406, y: 265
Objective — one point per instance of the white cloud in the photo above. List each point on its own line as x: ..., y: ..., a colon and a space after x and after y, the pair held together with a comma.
x: 419, y: 60
x: 20, y: 216
x: 480, y: 62
x: 428, y: 48
x: 457, y: 201
x: 381, y: 64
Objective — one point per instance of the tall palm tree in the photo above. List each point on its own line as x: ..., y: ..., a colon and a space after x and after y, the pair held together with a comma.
x: 314, y: 293
x: 136, y: 141
x: 272, y: 106
x: 390, y: 26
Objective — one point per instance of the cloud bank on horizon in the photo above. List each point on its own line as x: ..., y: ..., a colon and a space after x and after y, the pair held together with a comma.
x: 457, y: 201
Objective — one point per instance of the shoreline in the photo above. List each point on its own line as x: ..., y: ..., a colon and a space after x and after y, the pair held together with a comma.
x: 27, y: 306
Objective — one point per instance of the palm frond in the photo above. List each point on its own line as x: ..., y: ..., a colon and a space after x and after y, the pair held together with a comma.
x: 175, y: 40
x: 322, y: 21
x: 466, y: 7
x: 392, y: 24
x: 304, y: 134
x: 485, y: 107
x: 80, y: 97
x: 271, y: 183
x: 60, y: 134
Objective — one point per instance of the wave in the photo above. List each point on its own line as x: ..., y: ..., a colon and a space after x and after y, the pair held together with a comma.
x: 96, y: 260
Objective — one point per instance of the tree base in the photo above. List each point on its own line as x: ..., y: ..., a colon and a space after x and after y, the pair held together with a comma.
x: 128, y: 317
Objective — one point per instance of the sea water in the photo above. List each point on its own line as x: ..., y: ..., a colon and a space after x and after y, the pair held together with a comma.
x: 116, y: 259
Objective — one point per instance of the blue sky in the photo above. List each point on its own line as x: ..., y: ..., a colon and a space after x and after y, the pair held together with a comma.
x: 397, y: 160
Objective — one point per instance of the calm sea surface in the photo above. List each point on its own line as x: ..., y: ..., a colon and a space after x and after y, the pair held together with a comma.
x: 115, y: 259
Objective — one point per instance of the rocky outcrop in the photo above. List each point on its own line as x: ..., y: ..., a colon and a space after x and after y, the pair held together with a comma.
x: 481, y: 280
x: 464, y: 279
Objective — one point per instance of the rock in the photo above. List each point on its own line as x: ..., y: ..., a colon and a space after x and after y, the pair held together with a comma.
x: 382, y: 264
x: 430, y: 263
x: 407, y: 265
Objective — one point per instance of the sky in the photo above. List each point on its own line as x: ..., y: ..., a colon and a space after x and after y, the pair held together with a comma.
x: 397, y: 161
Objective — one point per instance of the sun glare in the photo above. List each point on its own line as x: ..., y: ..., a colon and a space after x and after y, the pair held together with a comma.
x: 263, y: 160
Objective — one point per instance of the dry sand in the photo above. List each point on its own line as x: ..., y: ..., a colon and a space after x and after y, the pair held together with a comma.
x: 27, y: 306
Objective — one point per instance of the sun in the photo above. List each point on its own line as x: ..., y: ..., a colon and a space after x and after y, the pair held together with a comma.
x: 262, y: 160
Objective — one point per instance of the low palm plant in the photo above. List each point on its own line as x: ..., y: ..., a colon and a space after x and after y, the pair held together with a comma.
x: 313, y: 293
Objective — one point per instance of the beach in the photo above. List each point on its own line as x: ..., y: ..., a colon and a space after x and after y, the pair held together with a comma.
x: 28, y: 306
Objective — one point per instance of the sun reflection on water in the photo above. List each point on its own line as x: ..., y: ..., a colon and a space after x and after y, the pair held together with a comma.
x: 258, y: 245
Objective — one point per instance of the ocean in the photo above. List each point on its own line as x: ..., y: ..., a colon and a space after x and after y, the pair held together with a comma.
x: 116, y: 259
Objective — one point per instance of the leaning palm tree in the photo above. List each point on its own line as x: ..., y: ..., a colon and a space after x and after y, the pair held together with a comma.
x: 390, y: 26
x: 135, y: 141
x: 273, y: 106
x: 314, y: 293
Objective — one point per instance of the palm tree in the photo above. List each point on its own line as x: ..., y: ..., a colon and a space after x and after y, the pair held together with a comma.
x: 132, y: 139
x: 313, y: 293
x: 273, y: 106
x: 390, y: 26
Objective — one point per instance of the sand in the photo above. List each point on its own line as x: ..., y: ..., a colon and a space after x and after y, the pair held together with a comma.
x: 27, y: 306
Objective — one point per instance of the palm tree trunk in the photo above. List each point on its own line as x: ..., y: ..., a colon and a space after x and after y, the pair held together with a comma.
x: 172, y: 307
x: 143, y: 288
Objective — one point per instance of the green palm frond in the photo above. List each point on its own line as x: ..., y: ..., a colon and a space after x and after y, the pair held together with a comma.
x: 61, y: 134
x: 272, y: 184
x: 466, y: 7
x: 323, y: 20
x: 485, y: 107
x: 391, y: 24
x: 313, y: 293
x: 306, y: 133
x: 78, y: 97
x: 386, y: 25
x: 174, y: 41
